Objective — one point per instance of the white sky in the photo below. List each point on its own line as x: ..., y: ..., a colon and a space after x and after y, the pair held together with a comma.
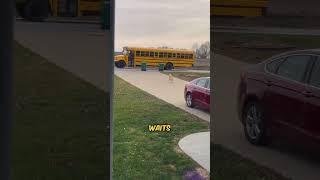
x: 154, y: 23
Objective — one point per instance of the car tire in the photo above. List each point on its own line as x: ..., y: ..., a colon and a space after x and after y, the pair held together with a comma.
x: 189, y: 100
x: 254, y: 124
x: 168, y: 66
x: 121, y: 64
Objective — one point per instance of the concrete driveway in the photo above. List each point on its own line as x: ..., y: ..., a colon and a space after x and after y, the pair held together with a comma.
x: 229, y: 133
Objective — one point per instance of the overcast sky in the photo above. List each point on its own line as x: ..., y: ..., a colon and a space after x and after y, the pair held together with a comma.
x: 154, y: 23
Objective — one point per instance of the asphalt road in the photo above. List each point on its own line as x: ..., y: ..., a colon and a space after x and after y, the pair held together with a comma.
x: 229, y: 133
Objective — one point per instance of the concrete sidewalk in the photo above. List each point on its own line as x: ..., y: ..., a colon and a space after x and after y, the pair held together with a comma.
x: 158, y: 84
x: 197, y: 146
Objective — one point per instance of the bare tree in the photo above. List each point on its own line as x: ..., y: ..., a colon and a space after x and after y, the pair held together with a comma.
x: 203, y: 52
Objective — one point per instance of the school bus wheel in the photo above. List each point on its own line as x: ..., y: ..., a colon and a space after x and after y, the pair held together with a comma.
x: 169, y: 66
x: 121, y: 64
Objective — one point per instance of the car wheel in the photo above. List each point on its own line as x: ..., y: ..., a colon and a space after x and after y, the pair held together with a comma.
x: 254, y: 128
x: 169, y: 66
x: 189, y: 100
x: 121, y: 64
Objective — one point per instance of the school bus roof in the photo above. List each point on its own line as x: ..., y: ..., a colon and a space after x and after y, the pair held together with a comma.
x: 159, y: 49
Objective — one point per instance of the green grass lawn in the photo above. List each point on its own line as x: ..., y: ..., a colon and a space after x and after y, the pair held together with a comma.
x: 59, y: 125
x: 187, y: 76
x: 140, y: 154
x: 254, y: 48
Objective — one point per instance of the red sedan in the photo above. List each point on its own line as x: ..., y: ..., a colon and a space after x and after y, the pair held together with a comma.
x: 280, y: 97
x: 197, y: 93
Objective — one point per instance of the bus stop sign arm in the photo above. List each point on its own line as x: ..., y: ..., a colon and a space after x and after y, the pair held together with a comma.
x: 6, y: 47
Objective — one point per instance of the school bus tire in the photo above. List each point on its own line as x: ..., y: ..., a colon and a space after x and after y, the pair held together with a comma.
x: 168, y: 66
x: 121, y: 64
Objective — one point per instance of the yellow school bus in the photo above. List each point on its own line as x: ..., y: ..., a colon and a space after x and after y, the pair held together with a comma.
x: 244, y: 8
x: 171, y: 58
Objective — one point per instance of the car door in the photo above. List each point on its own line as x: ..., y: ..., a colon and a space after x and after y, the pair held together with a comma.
x: 200, y: 90
x: 206, y: 95
x: 284, y: 98
x: 312, y: 103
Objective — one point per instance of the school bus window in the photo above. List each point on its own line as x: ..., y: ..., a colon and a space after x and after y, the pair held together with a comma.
x: 169, y: 55
x: 182, y: 56
x: 138, y: 53
x: 191, y: 56
x: 156, y: 54
x: 147, y: 54
x: 143, y: 53
x: 161, y: 54
x: 174, y: 55
x: 152, y: 54
x: 178, y: 55
x: 165, y: 54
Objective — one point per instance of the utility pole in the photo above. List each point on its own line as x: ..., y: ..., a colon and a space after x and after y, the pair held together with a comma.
x: 6, y: 66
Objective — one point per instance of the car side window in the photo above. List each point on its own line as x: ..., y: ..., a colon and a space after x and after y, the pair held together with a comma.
x: 208, y: 83
x: 273, y: 65
x: 202, y: 83
x: 294, y: 67
x: 315, y: 74
x: 195, y: 81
